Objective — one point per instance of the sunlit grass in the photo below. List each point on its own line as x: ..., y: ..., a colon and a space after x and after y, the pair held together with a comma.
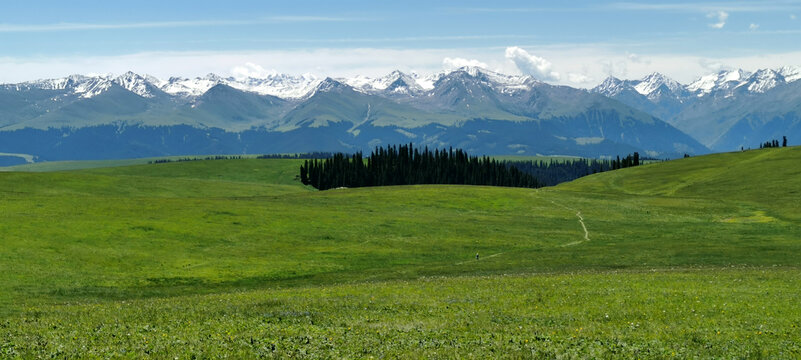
x: 236, y: 257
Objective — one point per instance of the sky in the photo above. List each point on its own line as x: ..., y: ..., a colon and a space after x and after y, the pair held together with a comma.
x: 579, y: 44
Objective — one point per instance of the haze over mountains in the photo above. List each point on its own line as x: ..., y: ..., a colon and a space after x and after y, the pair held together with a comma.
x: 483, y: 112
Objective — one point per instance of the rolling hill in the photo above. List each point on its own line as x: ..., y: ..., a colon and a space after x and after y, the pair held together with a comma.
x: 235, y: 257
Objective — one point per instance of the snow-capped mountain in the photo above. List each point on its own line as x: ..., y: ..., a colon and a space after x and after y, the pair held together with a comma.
x: 654, y: 86
x: 728, y: 82
x: 144, y: 86
x: 612, y: 86
x: 485, y: 112
x: 279, y: 85
x: 394, y: 83
x: 724, y: 83
x: 657, y: 85
x: 469, y: 107
x: 711, y: 107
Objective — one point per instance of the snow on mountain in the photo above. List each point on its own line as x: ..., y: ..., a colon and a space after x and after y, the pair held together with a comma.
x: 651, y: 83
x: 275, y: 84
x: 762, y: 80
x: 612, y: 86
x: 136, y: 84
x: 790, y: 73
x: 85, y: 86
x: 396, y: 82
x: 93, y: 87
x: 189, y: 87
x: 501, y: 83
x: 723, y: 80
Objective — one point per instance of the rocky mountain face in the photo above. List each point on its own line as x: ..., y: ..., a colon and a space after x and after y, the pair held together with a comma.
x: 95, y: 117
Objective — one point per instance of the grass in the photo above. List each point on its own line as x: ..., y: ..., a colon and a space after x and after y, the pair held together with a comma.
x: 257, y: 261
x: 743, y: 313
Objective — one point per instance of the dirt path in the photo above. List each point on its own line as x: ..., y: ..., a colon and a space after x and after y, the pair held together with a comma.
x: 482, y: 258
x: 581, y: 221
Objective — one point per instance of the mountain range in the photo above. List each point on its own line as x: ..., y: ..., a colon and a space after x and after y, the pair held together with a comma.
x: 483, y: 112
x: 725, y: 111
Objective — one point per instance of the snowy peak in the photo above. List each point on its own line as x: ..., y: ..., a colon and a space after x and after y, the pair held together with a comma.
x: 728, y: 83
x: 188, y: 87
x: 91, y: 86
x: 652, y: 83
x: 763, y: 80
x: 499, y: 82
x: 83, y: 86
x: 790, y: 73
x: 611, y: 86
x: 139, y: 85
x: 655, y: 86
x: 721, y: 81
x: 275, y: 84
x: 396, y: 82
x: 329, y: 85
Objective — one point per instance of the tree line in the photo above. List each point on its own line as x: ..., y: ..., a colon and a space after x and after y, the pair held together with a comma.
x: 773, y: 143
x: 550, y: 173
x: 407, y: 165
x: 216, y: 157
x: 310, y: 155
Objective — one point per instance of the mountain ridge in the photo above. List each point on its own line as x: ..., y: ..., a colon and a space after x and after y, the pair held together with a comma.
x: 725, y: 111
x: 473, y: 108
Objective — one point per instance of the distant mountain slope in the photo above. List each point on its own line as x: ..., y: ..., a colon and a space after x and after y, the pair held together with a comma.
x: 82, y: 117
x: 724, y: 111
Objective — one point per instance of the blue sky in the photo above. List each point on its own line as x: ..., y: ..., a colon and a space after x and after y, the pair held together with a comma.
x: 577, y: 44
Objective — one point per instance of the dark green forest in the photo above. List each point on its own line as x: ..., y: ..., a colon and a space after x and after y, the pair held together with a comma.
x: 407, y: 165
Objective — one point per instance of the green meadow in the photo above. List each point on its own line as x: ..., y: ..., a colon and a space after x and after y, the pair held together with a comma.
x: 697, y: 257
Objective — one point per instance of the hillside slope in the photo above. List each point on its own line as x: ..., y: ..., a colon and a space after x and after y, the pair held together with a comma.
x: 222, y: 257
x: 768, y: 177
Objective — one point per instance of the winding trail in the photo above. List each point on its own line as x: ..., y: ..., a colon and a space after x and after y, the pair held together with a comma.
x: 581, y: 221
x: 474, y: 260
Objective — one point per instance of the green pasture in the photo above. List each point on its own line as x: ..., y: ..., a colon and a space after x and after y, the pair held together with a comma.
x: 237, y: 257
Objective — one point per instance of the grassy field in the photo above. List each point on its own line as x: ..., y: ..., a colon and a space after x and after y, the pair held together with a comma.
x: 693, y: 257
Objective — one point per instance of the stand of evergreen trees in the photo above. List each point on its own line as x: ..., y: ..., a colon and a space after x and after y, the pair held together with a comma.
x: 216, y: 157
x: 311, y: 155
x: 773, y: 143
x: 407, y: 165
x: 550, y: 173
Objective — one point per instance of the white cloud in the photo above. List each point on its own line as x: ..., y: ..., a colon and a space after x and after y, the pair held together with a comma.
x: 721, y: 17
x: 531, y: 64
x: 615, y: 67
x: 792, y: 17
x: 455, y: 63
x: 712, y: 65
x: 578, y: 78
x: 753, y: 26
x: 251, y: 70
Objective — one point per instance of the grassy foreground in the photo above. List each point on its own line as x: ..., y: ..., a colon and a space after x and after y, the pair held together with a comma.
x: 666, y: 314
x: 236, y: 258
